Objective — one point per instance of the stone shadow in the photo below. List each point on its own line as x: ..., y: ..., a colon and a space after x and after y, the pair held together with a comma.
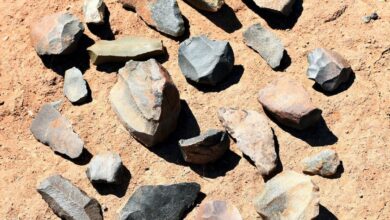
x: 284, y: 63
x: 118, y: 190
x: 198, y: 201
x: 83, y: 159
x: 103, y: 31
x: 340, y: 89
x: 325, y: 214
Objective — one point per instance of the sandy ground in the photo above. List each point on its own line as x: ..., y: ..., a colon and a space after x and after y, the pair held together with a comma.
x: 356, y: 120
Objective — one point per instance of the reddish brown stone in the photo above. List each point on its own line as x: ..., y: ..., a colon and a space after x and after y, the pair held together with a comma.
x: 217, y: 210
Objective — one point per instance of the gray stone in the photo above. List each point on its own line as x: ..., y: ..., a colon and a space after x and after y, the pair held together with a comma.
x: 267, y: 44
x: 56, y: 34
x: 51, y: 128
x: 94, y: 11
x: 205, y: 148
x: 254, y: 136
x: 75, y: 87
x: 124, y: 49
x: 324, y: 164
x: 205, y: 61
x: 67, y: 201
x: 207, y: 5
x: 373, y: 16
x: 105, y: 168
x: 281, y: 6
x: 328, y: 69
x: 217, y: 210
x: 288, y: 195
x: 146, y: 101
x: 160, y: 202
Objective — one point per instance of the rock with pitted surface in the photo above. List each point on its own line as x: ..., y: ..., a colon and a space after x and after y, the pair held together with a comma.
x: 146, y: 101
x: 67, y: 201
x: 75, y: 87
x: 328, y: 69
x: 289, y: 195
x: 105, y: 168
x: 162, y: 202
x: 217, y: 210
x: 51, y: 128
x: 94, y: 11
x: 324, y: 164
x: 207, y: 5
x: 205, y: 148
x: 289, y: 103
x: 205, y: 61
x: 254, y: 136
x: 267, y: 44
x: 124, y: 49
x: 281, y: 6
x: 56, y: 34
x: 164, y: 15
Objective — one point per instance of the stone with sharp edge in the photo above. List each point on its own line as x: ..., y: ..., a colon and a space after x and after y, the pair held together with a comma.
x: 75, y: 87
x: 94, y: 11
x: 324, y: 163
x: 207, y: 5
x: 105, y: 168
x: 284, y: 7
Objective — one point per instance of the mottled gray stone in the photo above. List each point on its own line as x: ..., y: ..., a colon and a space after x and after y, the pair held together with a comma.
x: 105, y: 168
x: 94, y: 11
x: 67, y: 201
x: 281, y: 6
x: 207, y: 5
x: 217, y: 210
x: 324, y: 163
x: 267, y: 44
x: 205, y: 61
x: 160, y: 202
x: 75, y: 87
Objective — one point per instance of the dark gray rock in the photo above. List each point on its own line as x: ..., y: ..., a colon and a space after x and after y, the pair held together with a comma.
x: 75, y: 87
x: 51, y: 128
x: 161, y: 202
x: 94, y: 11
x: 205, y: 61
x: 328, y: 69
x: 324, y: 163
x: 205, y: 148
x: 207, y: 5
x: 280, y: 6
x: 373, y: 16
x: 267, y: 44
x: 105, y: 168
x: 67, y: 201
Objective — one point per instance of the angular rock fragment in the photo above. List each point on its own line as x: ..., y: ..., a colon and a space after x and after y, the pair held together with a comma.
x: 267, y: 44
x: 51, y: 128
x: 75, y: 87
x: 105, y: 168
x: 288, y: 195
x: 289, y: 103
x: 94, y: 11
x: 328, y: 69
x: 124, y: 49
x: 67, y: 201
x: 146, y: 101
x: 205, y: 148
x: 164, y: 15
x: 207, y: 5
x: 217, y: 210
x: 56, y: 34
x: 253, y: 135
x: 205, y: 61
x: 280, y: 6
x: 324, y: 164
x: 162, y: 202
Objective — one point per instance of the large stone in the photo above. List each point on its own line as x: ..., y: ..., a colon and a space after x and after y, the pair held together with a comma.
x: 146, y: 101
x: 205, y: 61
x: 324, y: 164
x: 267, y: 44
x: 217, y: 210
x: 207, y: 5
x: 105, y: 168
x: 94, y: 11
x: 161, y: 202
x: 288, y: 195
x: 254, y: 136
x: 164, y: 15
x: 289, y: 103
x: 67, y: 201
x: 124, y: 49
x: 56, y: 34
x: 328, y: 69
x: 280, y: 6
x: 205, y: 148
x: 51, y: 128
x: 75, y: 87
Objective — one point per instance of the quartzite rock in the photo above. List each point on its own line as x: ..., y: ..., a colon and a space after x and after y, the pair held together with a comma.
x: 205, y: 148
x: 164, y: 15
x: 289, y: 103
x: 288, y: 195
x: 207, y: 5
x: 324, y: 164
x: 67, y: 201
x: 267, y: 44
x: 146, y: 101
x: 328, y: 68
x: 124, y: 49
x: 105, y: 168
x: 161, y: 202
x: 75, y: 87
x: 282, y: 6
x: 51, y: 128
x: 56, y: 34
x: 253, y: 135
x: 94, y: 11
x: 217, y: 210
x: 205, y: 61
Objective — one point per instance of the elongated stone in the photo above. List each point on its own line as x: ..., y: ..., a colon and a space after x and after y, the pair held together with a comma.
x: 217, y: 210
x: 124, y: 49
x: 75, y: 87
x: 94, y: 11
x: 280, y: 6
x: 324, y: 163
x: 207, y: 5
x: 67, y: 201
x: 105, y: 168
x: 253, y: 135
